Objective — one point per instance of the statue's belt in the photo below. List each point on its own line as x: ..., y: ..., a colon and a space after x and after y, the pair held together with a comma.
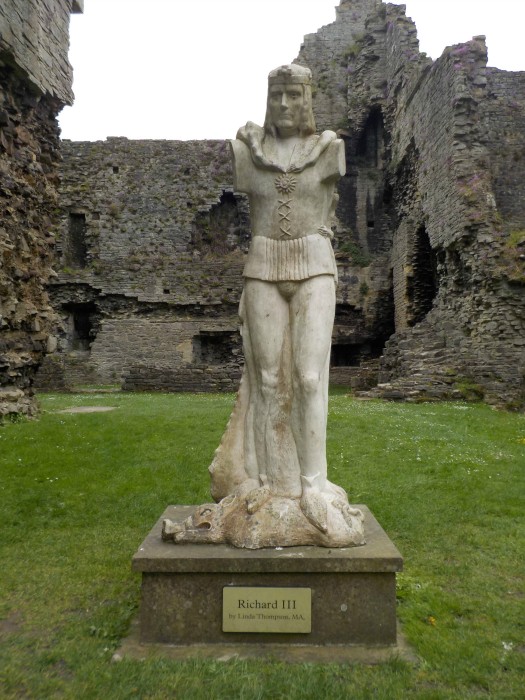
x: 291, y: 259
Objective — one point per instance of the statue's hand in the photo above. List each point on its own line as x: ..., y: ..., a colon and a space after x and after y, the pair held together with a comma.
x: 326, y: 232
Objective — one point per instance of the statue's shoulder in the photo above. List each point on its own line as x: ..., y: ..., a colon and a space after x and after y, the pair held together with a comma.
x: 332, y: 148
x: 326, y: 143
x: 250, y: 134
x: 328, y: 136
x: 246, y: 149
x: 329, y: 140
x: 248, y: 141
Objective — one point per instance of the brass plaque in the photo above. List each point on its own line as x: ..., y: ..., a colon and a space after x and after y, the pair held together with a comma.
x: 268, y: 610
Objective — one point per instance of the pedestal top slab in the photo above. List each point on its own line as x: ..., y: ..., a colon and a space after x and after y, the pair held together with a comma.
x: 378, y: 555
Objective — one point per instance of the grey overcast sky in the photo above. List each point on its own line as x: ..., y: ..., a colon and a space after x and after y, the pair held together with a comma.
x: 196, y: 69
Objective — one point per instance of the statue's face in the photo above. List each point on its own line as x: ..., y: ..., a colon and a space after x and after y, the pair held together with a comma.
x: 286, y: 103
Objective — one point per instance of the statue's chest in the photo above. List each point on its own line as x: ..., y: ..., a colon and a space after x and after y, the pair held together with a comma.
x: 273, y: 187
x: 288, y: 205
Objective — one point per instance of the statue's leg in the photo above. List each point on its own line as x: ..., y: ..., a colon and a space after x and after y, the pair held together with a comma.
x: 250, y: 456
x: 267, y: 321
x: 312, y: 332
x: 312, y: 313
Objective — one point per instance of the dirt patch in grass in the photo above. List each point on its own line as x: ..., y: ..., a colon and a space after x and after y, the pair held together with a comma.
x: 10, y: 625
x: 88, y: 409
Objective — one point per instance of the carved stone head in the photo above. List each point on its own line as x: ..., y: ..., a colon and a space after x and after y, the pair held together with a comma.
x: 289, y: 105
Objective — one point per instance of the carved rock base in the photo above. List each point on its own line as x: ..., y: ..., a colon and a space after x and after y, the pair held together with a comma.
x: 275, y: 522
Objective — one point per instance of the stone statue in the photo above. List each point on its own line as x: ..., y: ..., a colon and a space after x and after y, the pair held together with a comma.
x: 270, y: 473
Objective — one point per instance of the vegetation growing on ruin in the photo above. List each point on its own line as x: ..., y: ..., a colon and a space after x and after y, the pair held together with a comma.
x: 470, y: 390
x: 353, y: 50
x: 80, y: 492
x: 354, y: 252
x: 514, y: 256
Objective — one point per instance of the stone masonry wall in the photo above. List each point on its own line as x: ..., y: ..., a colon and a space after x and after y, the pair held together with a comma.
x: 155, y: 270
x: 442, y: 162
x: 34, y: 37
x: 441, y: 142
x: 145, y: 204
x: 152, y: 246
x: 327, y: 52
x: 503, y: 118
x: 168, y: 344
x: 35, y: 83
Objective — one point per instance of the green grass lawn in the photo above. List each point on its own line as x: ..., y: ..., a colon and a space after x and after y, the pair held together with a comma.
x: 79, y: 492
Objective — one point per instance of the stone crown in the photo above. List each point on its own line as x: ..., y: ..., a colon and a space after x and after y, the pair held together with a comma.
x: 293, y: 73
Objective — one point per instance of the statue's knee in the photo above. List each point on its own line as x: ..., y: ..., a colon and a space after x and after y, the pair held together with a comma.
x: 268, y: 383
x: 308, y: 383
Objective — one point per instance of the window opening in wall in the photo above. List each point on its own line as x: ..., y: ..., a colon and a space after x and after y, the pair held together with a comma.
x: 80, y: 326
x: 353, y: 354
x: 388, y: 194
x: 422, y: 284
x: 222, y: 228
x: 166, y: 291
x: 216, y: 347
x: 370, y: 144
x: 376, y: 346
x: 75, y: 250
x: 345, y: 355
x: 116, y: 169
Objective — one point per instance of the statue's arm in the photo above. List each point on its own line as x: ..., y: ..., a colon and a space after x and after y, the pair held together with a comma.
x: 334, y: 161
x: 242, y: 166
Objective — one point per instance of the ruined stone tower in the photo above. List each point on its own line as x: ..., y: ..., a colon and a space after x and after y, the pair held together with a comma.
x: 35, y: 83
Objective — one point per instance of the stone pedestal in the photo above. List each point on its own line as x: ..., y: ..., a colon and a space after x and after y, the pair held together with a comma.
x: 352, y: 591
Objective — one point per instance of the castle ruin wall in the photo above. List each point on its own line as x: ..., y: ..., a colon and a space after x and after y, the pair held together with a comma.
x: 152, y: 246
x: 35, y: 83
x: 429, y: 230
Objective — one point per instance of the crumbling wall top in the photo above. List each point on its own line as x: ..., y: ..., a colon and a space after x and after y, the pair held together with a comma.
x: 34, y: 36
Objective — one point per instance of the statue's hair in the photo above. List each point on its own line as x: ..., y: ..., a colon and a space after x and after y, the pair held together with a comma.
x: 307, y: 124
